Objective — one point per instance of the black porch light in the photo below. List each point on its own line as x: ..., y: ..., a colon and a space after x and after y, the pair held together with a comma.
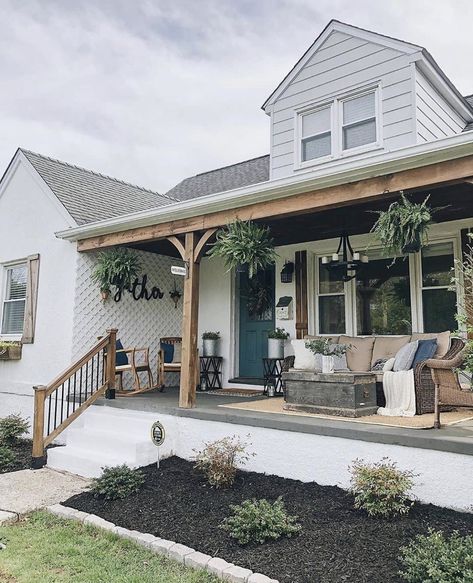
x: 345, y: 263
x: 287, y: 271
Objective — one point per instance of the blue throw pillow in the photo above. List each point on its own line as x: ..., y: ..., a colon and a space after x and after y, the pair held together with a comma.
x: 426, y: 349
x: 168, y: 350
x: 121, y: 358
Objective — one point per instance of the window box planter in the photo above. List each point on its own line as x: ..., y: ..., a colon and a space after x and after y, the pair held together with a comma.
x: 10, y: 351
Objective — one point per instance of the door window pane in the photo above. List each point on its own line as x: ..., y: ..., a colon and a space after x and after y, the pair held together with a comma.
x: 332, y: 314
x: 438, y: 301
x: 383, y: 296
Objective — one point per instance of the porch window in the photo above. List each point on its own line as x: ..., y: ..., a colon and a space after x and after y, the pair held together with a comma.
x: 14, y: 299
x: 359, y: 121
x: 316, y: 134
x: 331, y: 298
x: 383, y: 296
x: 438, y: 301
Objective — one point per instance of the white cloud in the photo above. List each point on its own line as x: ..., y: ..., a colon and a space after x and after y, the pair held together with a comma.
x: 154, y: 91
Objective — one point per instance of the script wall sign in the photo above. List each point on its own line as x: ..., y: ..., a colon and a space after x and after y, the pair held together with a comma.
x: 140, y: 291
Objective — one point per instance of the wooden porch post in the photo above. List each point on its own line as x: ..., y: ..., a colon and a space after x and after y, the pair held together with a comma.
x: 38, y: 457
x: 191, y: 253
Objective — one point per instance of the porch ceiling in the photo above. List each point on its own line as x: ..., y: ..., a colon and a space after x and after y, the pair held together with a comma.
x: 357, y: 219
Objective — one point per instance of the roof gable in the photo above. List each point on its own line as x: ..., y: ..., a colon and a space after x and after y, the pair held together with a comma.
x: 324, y: 39
x: 89, y: 196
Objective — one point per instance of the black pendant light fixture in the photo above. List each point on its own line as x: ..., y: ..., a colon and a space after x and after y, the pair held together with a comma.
x: 345, y: 263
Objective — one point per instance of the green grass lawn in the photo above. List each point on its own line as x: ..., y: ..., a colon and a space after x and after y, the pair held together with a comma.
x: 46, y: 549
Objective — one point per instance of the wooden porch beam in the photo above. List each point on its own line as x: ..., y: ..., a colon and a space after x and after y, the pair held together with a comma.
x: 179, y: 246
x: 351, y: 193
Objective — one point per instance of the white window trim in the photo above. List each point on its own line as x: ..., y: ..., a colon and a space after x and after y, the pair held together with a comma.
x: 4, y: 267
x: 336, y: 105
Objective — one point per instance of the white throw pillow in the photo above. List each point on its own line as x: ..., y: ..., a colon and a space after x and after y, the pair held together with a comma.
x: 304, y: 359
x: 405, y: 356
x: 389, y: 364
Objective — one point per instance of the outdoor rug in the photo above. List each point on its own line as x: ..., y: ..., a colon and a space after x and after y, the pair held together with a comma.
x: 275, y: 405
x: 234, y: 393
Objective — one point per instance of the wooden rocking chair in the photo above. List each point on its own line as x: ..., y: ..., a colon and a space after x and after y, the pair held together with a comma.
x: 127, y: 360
x: 175, y: 365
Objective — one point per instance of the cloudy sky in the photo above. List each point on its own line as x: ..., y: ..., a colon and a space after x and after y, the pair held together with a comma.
x: 152, y: 91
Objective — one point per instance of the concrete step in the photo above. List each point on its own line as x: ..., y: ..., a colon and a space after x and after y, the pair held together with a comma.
x: 102, y: 437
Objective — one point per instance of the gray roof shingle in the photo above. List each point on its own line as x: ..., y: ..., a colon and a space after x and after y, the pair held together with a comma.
x: 89, y: 196
x: 222, y: 179
x: 469, y: 126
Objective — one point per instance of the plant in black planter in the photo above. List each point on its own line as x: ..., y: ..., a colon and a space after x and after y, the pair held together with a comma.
x: 276, y: 340
x: 245, y: 245
x: 403, y: 228
x: 117, y: 267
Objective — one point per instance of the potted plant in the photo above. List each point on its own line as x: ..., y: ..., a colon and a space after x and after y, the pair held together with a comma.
x: 117, y: 267
x: 403, y: 228
x: 10, y: 350
x: 276, y: 340
x: 327, y: 350
x: 210, y: 343
x: 245, y: 245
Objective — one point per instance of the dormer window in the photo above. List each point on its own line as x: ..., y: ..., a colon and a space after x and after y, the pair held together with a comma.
x: 346, y: 126
x: 317, y: 134
x: 359, y: 121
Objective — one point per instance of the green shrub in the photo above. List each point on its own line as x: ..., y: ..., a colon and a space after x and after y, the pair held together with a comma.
x: 218, y: 460
x: 381, y: 488
x: 256, y: 521
x: 7, y: 457
x: 12, y: 428
x: 438, y: 559
x: 117, y: 482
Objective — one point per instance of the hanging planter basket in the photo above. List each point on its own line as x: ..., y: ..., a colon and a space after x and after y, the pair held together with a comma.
x: 242, y: 268
x: 414, y: 246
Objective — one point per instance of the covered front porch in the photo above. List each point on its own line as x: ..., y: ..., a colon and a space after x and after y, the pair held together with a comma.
x: 411, y: 296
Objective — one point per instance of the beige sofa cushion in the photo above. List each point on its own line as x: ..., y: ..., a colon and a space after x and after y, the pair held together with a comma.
x: 360, y: 354
x: 443, y: 341
x: 387, y: 346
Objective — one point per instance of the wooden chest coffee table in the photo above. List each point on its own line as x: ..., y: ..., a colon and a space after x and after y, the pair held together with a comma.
x: 346, y: 394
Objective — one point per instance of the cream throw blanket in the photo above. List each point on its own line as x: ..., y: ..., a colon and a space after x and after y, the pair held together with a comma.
x: 400, y: 396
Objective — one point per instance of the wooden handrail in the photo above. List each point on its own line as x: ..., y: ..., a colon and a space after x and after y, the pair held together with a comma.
x: 94, y: 372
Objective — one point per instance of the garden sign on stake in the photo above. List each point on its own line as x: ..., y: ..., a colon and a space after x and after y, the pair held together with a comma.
x: 158, y: 435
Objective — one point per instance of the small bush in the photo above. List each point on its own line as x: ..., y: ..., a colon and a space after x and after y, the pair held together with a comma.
x: 256, y: 521
x: 381, y: 488
x: 117, y: 482
x: 7, y: 457
x: 437, y: 559
x: 12, y: 428
x: 218, y: 460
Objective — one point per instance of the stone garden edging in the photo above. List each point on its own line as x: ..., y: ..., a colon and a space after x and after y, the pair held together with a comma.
x: 170, y: 549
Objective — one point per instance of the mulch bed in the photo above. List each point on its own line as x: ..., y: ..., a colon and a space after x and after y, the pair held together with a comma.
x: 337, y: 542
x: 22, y: 449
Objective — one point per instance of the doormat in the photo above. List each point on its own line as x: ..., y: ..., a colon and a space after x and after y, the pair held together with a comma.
x: 235, y: 392
x: 417, y: 422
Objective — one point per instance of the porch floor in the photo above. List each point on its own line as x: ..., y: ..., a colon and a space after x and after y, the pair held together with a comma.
x: 454, y: 438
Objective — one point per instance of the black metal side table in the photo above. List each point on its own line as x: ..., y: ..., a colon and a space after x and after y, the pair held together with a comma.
x: 211, y: 372
x: 272, y: 372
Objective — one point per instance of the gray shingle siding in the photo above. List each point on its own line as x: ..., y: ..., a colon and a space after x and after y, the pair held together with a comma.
x: 89, y: 196
x: 222, y: 179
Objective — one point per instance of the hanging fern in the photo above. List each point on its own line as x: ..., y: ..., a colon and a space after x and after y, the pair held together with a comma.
x: 403, y: 228
x: 117, y: 267
x: 245, y: 243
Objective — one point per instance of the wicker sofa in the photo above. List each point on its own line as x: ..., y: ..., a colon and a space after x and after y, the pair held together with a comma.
x: 366, y: 350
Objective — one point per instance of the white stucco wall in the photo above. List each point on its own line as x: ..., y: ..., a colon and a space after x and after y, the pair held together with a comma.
x: 29, y: 217
x: 141, y: 323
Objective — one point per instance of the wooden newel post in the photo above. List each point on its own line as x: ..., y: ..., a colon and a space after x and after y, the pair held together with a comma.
x: 38, y: 457
x: 110, y: 362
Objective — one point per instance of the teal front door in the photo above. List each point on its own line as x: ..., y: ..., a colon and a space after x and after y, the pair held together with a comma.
x: 256, y: 320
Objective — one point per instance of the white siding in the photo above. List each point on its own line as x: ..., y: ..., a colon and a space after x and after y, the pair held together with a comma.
x: 343, y: 63
x: 435, y: 117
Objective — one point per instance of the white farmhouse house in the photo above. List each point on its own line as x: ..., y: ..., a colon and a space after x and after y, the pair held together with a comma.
x: 360, y: 118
